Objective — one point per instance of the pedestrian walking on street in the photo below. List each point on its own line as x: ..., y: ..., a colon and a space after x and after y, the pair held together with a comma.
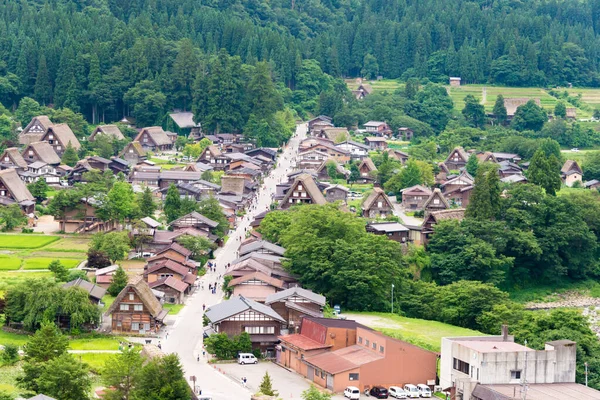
x: 159, y: 346
x: 198, y: 358
x: 203, y: 307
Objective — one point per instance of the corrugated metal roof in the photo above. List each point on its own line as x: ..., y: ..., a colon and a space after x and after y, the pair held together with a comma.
x: 296, y: 291
x: 237, y: 305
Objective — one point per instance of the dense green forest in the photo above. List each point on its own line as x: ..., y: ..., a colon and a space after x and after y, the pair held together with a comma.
x: 100, y: 56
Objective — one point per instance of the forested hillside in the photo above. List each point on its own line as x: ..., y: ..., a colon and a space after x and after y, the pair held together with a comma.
x: 87, y: 54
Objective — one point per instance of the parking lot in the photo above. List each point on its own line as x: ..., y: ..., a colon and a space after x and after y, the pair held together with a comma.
x: 289, y: 385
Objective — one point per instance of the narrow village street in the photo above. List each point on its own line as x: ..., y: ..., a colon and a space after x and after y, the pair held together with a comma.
x: 184, y: 334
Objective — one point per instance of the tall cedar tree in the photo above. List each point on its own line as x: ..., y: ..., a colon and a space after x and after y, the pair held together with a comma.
x: 119, y: 281
x: 42, y: 90
x: 472, y: 165
x: 544, y: 171
x: 70, y: 157
x: 172, y: 206
x: 473, y: 111
x: 500, y: 110
x: 485, y: 200
x: 147, y: 206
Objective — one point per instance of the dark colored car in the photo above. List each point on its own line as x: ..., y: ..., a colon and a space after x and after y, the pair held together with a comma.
x: 379, y: 392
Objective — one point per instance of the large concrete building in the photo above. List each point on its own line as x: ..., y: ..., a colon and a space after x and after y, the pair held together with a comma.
x: 471, y: 365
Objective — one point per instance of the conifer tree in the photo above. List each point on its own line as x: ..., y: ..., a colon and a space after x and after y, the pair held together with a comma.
x: 147, y: 206
x: 119, y: 281
x: 266, y: 386
x: 172, y: 206
x: 43, y: 88
x: 500, y: 110
x: 70, y: 157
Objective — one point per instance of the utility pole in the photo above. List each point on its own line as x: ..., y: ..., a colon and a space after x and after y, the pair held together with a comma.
x: 524, y: 384
x: 392, y: 298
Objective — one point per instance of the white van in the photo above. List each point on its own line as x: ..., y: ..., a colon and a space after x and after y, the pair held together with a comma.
x: 352, y: 392
x: 397, y: 392
x: 247, y: 358
x: 412, y: 392
x: 424, y: 390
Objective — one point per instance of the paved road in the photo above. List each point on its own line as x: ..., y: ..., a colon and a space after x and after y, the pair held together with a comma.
x: 399, y: 212
x: 185, y: 332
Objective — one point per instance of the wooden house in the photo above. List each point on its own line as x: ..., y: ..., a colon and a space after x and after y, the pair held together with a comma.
x: 168, y: 268
x: 103, y: 276
x: 95, y: 292
x: 377, y: 205
x: 83, y: 219
x: 358, y: 151
x: 571, y: 172
x: 457, y: 159
x: 376, y: 143
x: 321, y: 118
x: 134, y: 153
x: 313, y: 141
x: 295, y: 303
x: 592, y: 184
x: 512, y: 157
x: 112, y: 131
x: 363, y: 90
x: 338, y: 154
x: 11, y: 158
x: 303, y: 190
x: 436, y: 202
x: 392, y: 230
x: 263, y: 151
x: 443, y: 173
x: 136, y: 310
x: 405, y: 133
x: 337, y: 135
x: 455, y: 81
x: 40, y: 151
x: 59, y: 136
x: 464, y: 179
x: 14, y: 191
x: 215, y: 158
x: 261, y: 246
x: 507, y: 168
x: 34, y: 131
x: 486, y: 156
x: 173, y: 288
x: 194, y: 220
x: 240, y: 314
x: 40, y: 170
x: 367, y: 171
x: 154, y: 138
x: 435, y: 217
x: 323, y: 171
x: 311, y: 159
x: 377, y: 128
x: 398, y: 155
x: 336, y: 193
x: 174, y: 251
x: 182, y: 122
x: 256, y: 286
x: 414, y: 197
x: 168, y: 178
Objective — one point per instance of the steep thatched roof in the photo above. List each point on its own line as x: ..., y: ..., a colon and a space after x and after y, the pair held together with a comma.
x: 136, y: 147
x: 375, y: 194
x: 111, y: 130
x: 310, y: 186
x: 14, y: 157
x: 19, y: 192
x: 158, y: 135
x: 141, y: 288
x: 44, y: 151
x: 64, y: 134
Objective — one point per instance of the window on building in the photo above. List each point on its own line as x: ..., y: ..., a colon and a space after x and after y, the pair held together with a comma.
x: 515, y: 375
x: 461, y: 366
x: 360, y: 339
x: 130, y: 296
x: 322, y: 374
x: 379, y: 204
x: 374, y: 346
x: 138, y: 307
x: 146, y: 327
x: 381, y: 349
x: 367, y: 342
x: 135, y: 326
x: 353, y: 377
x: 124, y: 307
x: 119, y: 323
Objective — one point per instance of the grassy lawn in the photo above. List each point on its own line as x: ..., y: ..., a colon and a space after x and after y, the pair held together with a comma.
x: 71, y: 244
x: 96, y: 361
x: 8, y: 380
x: 547, y: 292
x: 96, y: 343
x: 420, y: 332
x: 11, y: 278
x: 12, y: 338
x: 173, y: 308
x: 43, y: 262
x: 8, y: 263
x: 107, y: 300
x: 25, y: 241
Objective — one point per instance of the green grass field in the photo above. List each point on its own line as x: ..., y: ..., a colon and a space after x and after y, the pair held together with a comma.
x: 43, y: 262
x: 11, y: 278
x: 96, y: 343
x: 8, y: 263
x: 174, y: 309
x: 72, y: 244
x: 548, y: 292
x: 12, y: 338
x: 420, y: 332
x: 25, y: 241
x: 96, y: 361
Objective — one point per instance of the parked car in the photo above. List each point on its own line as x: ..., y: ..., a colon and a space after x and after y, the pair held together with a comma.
x: 397, y: 392
x: 424, y: 390
x: 411, y: 391
x: 379, y: 392
x: 352, y: 392
x: 575, y: 149
x: 247, y: 358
